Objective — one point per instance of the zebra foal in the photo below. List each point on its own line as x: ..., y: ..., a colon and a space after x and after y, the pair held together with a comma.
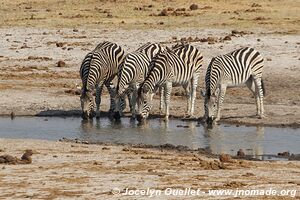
x: 241, y: 66
x: 175, y: 67
x: 99, y: 68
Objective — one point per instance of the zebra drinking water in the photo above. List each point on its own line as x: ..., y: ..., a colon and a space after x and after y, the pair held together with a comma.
x: 99, y: 68
x: 244, y: 65
x: 132, y: 73
x: 177, y: 67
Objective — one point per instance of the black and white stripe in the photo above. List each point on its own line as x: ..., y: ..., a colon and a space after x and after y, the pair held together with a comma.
x: 241, y: 66
x: 133, y: 72
x: 99, y: 68
x: 177, y: 67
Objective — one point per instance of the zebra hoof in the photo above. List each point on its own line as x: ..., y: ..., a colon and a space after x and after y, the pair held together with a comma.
x: 262, y: 116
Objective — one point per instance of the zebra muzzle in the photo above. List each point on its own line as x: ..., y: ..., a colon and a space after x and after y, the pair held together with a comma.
x: 210, y: 120
x: 117, y: 116
x: 140, y: 118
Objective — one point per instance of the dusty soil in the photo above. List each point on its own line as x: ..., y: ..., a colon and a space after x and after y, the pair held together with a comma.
x: 37, y: 35
x: 32, y: 84
x: 61, y: 170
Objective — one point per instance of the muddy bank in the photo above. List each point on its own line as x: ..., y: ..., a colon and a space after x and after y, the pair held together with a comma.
x: 76, y: 170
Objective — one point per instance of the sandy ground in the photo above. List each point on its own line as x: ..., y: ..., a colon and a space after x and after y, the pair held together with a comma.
x: 32, y: 84
x: 35, y: 35
x: 61, y: 170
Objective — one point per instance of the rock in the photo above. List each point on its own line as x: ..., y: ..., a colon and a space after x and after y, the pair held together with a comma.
x: 227, y: 37
x: 194, y: 6
x: 284, y: 154
x: 206, y: 7
x: 180, y: 9
x: 164, y: 12
x: 259, y: 18
x: 59, y: 44
x: 240, y: 153
x: 255, y: 5
x: 61, y: 63
x: 225, y: 157
x: 26, y: 157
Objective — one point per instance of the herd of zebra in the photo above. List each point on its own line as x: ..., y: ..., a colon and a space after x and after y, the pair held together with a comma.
x: 152, y: 68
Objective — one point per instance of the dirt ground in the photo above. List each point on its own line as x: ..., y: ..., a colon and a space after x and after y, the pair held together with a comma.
x: 31, y: 83
x: 61, y: 170
x: 36, y: 35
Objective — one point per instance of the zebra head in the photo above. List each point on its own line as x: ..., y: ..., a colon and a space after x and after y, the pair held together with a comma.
x: 210, y: 106
x: 144, y: 101
x: 87, y: 103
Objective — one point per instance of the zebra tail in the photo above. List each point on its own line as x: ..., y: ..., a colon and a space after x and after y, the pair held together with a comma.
x: 263, y: 88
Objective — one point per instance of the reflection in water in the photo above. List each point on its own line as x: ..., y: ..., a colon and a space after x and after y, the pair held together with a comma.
x: 221, y: 139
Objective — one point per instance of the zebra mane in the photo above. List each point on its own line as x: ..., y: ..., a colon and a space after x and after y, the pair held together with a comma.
x: 208, y: 78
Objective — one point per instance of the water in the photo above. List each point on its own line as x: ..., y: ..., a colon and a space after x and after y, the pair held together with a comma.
x: 256, y: 141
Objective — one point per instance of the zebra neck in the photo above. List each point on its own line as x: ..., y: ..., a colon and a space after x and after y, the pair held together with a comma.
x: 214, y: 81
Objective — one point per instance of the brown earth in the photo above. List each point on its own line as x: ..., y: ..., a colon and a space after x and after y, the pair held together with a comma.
x: 81, y: 171
x: 31, y: 83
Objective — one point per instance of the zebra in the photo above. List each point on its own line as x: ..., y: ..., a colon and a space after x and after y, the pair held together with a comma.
x: 179, y: 66
x: 133, y: 72
x: 241, y: 66
x: 99, y: 68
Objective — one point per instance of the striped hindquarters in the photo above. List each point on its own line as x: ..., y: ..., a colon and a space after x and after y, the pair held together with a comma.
x: 235, y: 68
x: 103, y: 63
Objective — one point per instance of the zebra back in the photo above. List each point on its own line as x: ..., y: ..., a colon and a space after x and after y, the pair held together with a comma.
x: 177, y: 65
x: 150, y: 49
x: 135, y: 66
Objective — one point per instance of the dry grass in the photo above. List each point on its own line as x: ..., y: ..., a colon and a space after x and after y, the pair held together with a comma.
x: 272, y: 15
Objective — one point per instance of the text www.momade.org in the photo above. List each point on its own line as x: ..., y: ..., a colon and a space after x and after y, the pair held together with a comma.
x: 149, y: 192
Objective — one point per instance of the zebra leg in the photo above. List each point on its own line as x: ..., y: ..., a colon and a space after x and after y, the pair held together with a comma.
x: 98, y: 99
x: 188, y: 98
x: 122, y: 104
x: 193, y: 92
x: 112, y: 93
x: 129, y: 97
x: 251, y: 85
x: 220, y: 101
x: 161, y: 105
x: 133, y: 102
x: 167, y: 95
x: 259, y: 93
